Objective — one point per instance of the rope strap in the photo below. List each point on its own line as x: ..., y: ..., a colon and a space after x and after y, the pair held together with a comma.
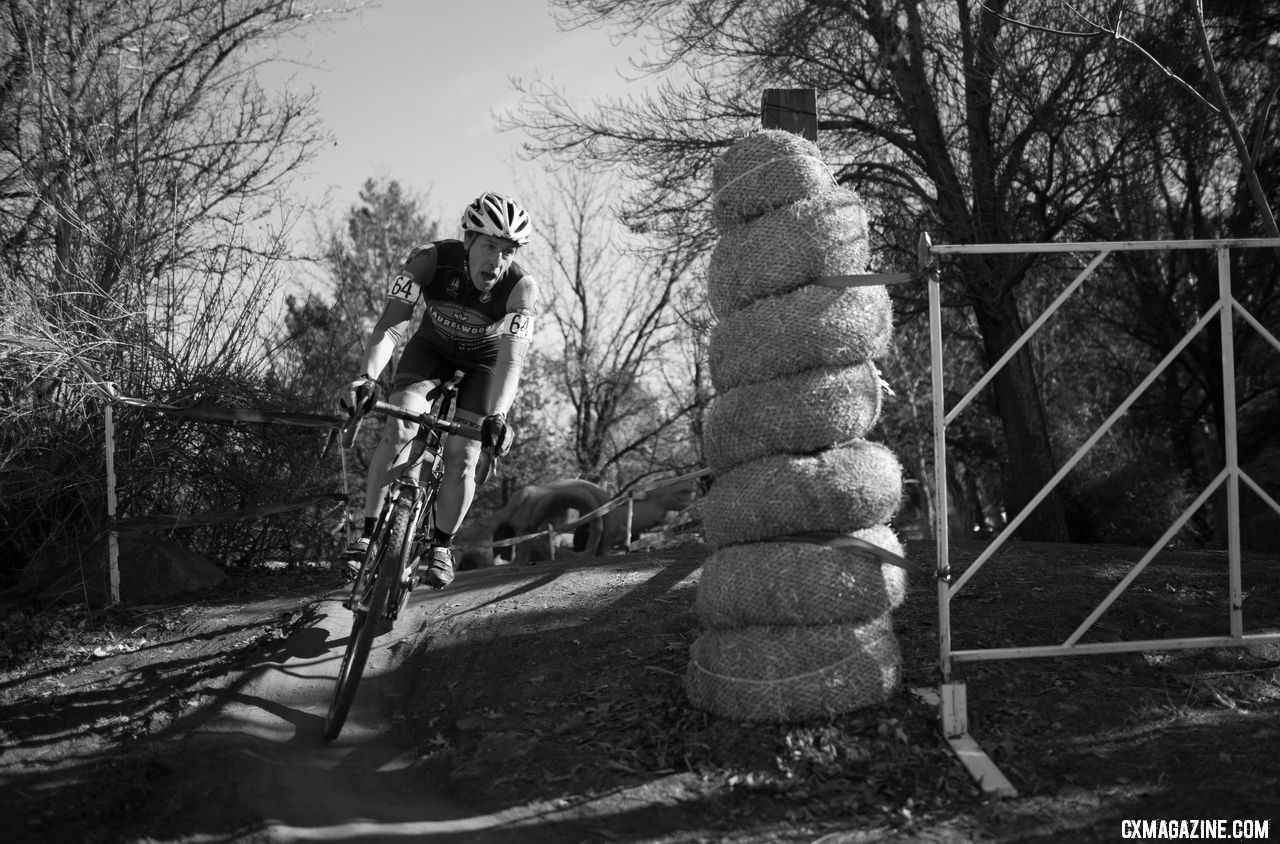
x: 602, y: 510
x: 798, y: 155
x: 806, y: 675
x: 868, y: 280
x: 172, y: 521
x: 844, y: 542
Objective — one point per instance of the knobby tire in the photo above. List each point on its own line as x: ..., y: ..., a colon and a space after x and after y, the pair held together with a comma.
x: 391, y: 544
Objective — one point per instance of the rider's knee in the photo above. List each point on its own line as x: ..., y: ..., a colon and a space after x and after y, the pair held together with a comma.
x: 399, y: 432
x: 461, y: 456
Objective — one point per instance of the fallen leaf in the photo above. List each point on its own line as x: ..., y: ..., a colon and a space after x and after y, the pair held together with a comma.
x: 622, y: 766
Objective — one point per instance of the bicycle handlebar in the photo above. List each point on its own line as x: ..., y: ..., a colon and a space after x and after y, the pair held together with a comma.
x: 453, y: 428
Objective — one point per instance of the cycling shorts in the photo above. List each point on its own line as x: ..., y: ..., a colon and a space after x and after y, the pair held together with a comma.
x: 422, y: 369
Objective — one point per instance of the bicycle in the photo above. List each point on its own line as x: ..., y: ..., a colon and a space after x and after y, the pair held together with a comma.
x: 387, y: 573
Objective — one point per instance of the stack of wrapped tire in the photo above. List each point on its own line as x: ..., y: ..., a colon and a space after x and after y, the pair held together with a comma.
x: 795, y: 626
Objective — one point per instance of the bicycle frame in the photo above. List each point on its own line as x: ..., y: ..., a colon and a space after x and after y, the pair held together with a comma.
x: 418, y: 494
x: 386, y: 577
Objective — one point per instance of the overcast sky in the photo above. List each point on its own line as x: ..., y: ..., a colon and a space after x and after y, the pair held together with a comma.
x: 409, y: 90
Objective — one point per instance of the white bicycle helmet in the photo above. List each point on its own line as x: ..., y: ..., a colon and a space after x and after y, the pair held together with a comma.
x: 495, y: 214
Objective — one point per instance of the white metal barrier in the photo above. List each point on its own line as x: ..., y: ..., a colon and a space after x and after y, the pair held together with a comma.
x: 951, y: 695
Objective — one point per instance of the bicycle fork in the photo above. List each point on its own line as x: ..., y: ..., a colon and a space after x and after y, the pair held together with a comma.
x: 362, y: 590
x: 418, y: 501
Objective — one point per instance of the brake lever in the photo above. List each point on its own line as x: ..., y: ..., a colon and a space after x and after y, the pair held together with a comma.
x: 488, y: 467
x: 351, y: 430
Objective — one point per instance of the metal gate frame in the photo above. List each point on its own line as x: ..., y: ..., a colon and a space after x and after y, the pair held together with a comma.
x: 951, y: 695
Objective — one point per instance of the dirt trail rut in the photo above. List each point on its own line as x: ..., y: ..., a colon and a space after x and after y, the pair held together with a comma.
x: 262, y: 752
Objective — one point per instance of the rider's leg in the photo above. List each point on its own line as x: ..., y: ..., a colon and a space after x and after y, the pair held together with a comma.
x: 462, y: 456
x: 458, y: 485
x: 414, y: 384
x: 393, y: 450
x: 417, y: 379
x: 388, y: 459
x: 457, y: 490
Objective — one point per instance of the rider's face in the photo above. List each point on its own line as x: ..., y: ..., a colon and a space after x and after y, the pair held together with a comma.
x: 489, y: 258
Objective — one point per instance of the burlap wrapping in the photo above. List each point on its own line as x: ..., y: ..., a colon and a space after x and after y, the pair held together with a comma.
x: 797, y: 414
x: 807, y: 328
x: 843, y: 489
x: 796, y: 583
x: 765, y: 170
x: 792, y: 673
x: 787, y: 247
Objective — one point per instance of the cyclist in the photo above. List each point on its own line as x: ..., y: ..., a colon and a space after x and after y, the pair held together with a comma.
x: 480, y: 307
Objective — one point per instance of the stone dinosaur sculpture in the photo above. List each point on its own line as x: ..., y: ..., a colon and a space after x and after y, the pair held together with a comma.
x: 532, y: 507
x: 648, y: 509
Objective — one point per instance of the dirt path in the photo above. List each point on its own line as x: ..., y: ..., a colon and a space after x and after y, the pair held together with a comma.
x: 302, y: 788
x: 546, y: 703
x: 263, y: 748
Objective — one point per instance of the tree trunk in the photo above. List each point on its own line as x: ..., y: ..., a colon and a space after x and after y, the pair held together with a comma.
x: 1028, y: 462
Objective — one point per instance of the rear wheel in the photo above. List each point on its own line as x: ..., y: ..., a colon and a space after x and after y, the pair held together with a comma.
x: 377, y: 579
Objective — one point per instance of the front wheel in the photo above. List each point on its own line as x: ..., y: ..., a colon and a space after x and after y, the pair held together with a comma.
x: 422, y: 526
x: 374, y: 586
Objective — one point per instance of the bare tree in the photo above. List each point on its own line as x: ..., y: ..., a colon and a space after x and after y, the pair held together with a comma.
x: 323, y: 335
x: 943, y: 115
x: 136, y: 137
x: 1236, y: 25
x: 142, y: 223
x: 1199, y: 83
x: 614, y: 307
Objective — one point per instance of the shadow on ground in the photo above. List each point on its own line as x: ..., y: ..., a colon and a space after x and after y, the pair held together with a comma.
x: 547, y: 704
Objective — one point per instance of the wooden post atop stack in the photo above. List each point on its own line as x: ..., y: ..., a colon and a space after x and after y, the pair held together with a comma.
x: 792, y: 109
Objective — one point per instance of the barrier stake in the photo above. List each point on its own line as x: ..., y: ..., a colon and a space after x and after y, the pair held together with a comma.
x: 630, y: 514
x: 551, y: 540
x: 113, y: 545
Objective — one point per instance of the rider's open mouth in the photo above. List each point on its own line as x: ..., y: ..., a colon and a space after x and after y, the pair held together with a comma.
x: 488, y: 275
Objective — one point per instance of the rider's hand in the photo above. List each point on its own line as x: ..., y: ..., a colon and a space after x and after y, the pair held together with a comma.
x: 496, y: 435
x: 359, y: 396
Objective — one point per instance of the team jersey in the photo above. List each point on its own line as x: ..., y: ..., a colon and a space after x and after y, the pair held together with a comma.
x: 460, y: 322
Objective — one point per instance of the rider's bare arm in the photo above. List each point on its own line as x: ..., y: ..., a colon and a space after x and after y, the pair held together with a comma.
x: 398, y: 310
x: 513, y: 345
x: 381, y: 344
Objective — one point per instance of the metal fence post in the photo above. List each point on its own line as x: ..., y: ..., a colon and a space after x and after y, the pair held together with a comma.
x: 1231, y: 447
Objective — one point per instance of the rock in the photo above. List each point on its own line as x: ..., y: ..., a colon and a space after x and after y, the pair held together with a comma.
x: 152, y: 569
